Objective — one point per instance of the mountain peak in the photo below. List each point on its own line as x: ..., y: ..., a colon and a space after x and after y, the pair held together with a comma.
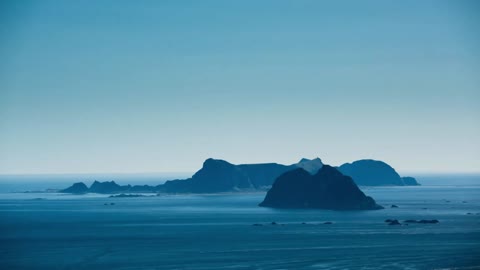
x: 310, y: 165
x: 211, y: 161
x: 303, y: 160
x: 327, y: 189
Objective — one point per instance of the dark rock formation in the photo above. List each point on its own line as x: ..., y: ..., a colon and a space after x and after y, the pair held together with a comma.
x: 369, y: 172
x: 327, y: 189
x: 422, y: 221
x: 394, y: 222
x: 97, y: 187
x: 428, y: 221
x: 77, y: 188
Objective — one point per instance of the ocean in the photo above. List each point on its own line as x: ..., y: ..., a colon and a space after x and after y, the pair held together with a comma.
x: 93, y: 231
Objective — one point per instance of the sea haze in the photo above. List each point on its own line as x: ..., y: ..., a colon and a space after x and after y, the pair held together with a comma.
x: 63, y: 231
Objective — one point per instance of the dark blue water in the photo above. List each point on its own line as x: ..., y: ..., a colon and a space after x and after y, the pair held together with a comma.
x: 56, y: 231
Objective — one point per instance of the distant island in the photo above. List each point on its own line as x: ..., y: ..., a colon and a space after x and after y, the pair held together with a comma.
x: 326, y: 189
x: 368, y: 172
x: 218, y: 175
x: 215, y: 176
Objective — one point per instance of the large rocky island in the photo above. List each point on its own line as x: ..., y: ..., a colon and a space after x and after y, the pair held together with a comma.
x: 218, y: 175
x: 368, y: 172
x: 326, y: 189
x: 215, y: 176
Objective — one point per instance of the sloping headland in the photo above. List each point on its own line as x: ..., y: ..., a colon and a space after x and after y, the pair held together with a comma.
x: 368, y: 172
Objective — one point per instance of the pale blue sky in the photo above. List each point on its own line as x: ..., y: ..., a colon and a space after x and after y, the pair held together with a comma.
x: 159, y: 86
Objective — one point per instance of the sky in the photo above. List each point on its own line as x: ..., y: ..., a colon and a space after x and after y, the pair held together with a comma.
x: 160, y: 86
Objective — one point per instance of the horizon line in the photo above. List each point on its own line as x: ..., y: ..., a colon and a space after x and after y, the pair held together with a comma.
x: 402, y: 173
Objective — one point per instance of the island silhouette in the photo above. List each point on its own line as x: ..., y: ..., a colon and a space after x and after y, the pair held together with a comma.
x: 326, y: 189
x: 218, y: 175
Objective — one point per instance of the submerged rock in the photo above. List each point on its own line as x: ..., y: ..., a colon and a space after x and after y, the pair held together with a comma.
x: 123, y: 195
x: 422, y: 221
x: 428, y: 221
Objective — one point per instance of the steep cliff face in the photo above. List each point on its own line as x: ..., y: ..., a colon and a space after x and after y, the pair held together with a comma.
x: 327, y: 189
x: 219, y: 176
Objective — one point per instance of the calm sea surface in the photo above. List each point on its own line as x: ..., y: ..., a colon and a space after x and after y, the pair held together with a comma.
x: 58, y: 231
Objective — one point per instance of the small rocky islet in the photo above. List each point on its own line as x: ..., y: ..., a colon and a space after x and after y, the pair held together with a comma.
x: 410, y: 221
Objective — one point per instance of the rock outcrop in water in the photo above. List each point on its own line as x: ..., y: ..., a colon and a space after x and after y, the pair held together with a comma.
x: 96, y: 187
x: 369, y: 172
x: 326, y: 189
x: 77, y: 188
